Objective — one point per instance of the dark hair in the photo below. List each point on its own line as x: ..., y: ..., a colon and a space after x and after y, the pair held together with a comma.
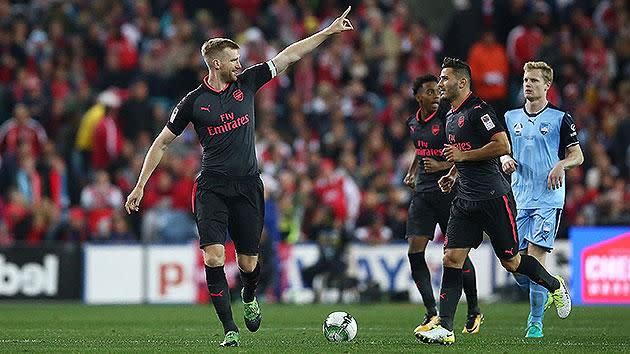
x: 460, y: 67
x: 421, y: 80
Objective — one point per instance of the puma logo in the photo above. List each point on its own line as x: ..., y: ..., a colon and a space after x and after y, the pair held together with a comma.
x: 205, y: 108
x: 442, y: 296
x: 219, y: 294
x: 510, y: 252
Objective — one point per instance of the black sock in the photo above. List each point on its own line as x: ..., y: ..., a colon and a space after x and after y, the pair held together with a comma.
x: 250, y: 281
x: 449, y: 295
x: 470, y: 286
x: 531, y: 268
x: 220, y: 295
x: 422, y: 278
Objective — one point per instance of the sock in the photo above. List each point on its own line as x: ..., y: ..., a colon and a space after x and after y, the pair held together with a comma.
x: 537, y: 273
x: 422, y: 278
x: 537, y: 300
x: 522, y: 281
x: 250, y: 281
x: 450, y: 293
x: 220, y: 295
x: 470, y: 286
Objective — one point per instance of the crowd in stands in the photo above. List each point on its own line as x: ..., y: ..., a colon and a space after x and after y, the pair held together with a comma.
x: 85, y: 86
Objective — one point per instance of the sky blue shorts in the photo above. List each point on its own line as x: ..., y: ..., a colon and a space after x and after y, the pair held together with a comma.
x: 537, y: 226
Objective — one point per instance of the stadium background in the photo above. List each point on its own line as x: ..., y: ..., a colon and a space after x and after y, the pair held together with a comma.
x: 86, y: 85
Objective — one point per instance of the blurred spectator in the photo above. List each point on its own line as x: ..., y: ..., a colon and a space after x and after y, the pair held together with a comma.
x: 100, y: 199
x: 135, y: 114
x: 168, y: 218
x: 490, y: 71
x: 107, y: 139
x: 21, y: 129
x: 331, y: 243
x: 329, y: 128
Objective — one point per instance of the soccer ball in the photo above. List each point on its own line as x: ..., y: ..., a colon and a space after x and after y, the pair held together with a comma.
x: 340, y: 326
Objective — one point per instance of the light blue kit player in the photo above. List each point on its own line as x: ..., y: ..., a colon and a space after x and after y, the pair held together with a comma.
x: 544, y: 146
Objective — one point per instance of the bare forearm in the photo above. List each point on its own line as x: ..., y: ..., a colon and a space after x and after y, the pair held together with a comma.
x: 574, y: 158
x: 299, y: 49
x: 413, y: 167
x: 444, y: 165
x: 453, y: 171
x: 151, y: 161
x: 491, y: 150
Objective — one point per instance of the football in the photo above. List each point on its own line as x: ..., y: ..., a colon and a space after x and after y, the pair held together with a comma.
x: 340, y: 326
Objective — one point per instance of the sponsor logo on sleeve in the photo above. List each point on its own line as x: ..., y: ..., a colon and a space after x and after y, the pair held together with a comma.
x: 487, y: 122
x: 174, y: 114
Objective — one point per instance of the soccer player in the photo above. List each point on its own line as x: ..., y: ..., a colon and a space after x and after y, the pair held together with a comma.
x: 544, y: 145
x: 228, y: 192
x: 484, y: 200
x: 429, y: 206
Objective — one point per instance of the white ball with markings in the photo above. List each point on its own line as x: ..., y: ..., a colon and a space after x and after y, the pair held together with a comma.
x: 340, y: 326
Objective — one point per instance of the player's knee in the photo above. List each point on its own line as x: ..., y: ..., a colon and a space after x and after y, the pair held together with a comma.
x: 510, y: 264
x: 452, y: 260
x: 214, y: 256
x: 247, y: 264
x: 417, y: 244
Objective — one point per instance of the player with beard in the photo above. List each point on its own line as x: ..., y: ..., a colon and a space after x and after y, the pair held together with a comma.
x: 484, y: 200
x: 429, y: 206
x: 228, y: 193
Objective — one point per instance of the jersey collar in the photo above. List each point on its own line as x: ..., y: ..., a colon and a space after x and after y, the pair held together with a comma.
x: 427, y: 119
x: 461, y: 104
x: 534, y: 115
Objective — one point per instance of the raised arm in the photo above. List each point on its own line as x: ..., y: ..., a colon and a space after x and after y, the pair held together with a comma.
x: 154, y: 155
x: 297, y: 50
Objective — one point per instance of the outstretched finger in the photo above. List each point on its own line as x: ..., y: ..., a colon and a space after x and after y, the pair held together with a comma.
x: 345, y: 13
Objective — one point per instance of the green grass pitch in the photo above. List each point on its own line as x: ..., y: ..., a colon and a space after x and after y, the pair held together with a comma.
x: 383, y: 328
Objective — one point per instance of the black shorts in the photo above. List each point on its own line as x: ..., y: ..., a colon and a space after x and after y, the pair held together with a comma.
x: 426, y: 210
x: 497, y: 217
x: 229, y: 203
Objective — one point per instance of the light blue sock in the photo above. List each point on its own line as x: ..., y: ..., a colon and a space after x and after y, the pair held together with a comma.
x: 522, y: 281
x: 537, y: 300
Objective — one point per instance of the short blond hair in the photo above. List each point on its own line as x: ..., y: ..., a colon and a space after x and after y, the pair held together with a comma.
x: 547, y: 71
x: 213, y: 46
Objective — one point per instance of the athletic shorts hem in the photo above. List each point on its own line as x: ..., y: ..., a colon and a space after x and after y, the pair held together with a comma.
x: 545, y: 247
x: 202, y: 245
x: 423, y: 236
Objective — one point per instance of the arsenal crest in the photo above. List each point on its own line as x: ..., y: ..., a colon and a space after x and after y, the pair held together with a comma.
x: 435, y: 129
x: 460, y: 121
x: 238, y: 95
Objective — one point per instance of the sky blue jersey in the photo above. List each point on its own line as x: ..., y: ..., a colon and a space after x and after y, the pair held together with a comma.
x: 538, y: 143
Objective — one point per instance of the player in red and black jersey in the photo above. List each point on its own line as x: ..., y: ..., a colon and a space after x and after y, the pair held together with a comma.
x: 483, y: 201
x: 429, y: 206
x: 228, y: 193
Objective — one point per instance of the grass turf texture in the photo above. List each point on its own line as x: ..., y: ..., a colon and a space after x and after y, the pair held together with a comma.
x: 383, y: 328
